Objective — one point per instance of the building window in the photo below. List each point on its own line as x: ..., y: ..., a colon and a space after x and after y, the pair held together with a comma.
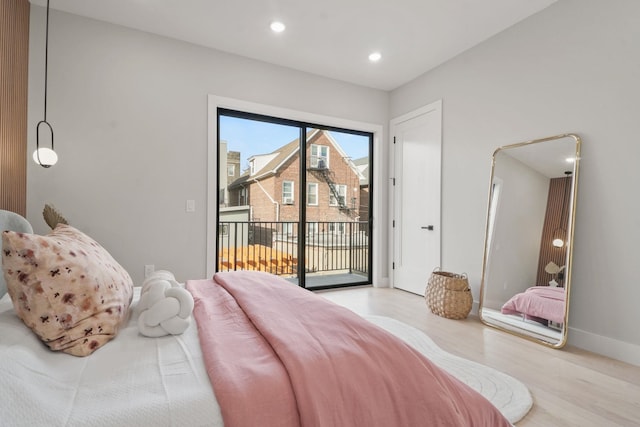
x: 312, y: 194
x: 336, y: 227
x: 242, y: 197
x: 338, y: 195
x: 312, y: 228
x: 231, y: 170
x: 287, y: 228
x: 252, y: 167
x: 223, y: 229
x: 287, y: 192
x: 319, y: 156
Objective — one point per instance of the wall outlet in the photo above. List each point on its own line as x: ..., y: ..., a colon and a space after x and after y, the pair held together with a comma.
x: 148, y: 270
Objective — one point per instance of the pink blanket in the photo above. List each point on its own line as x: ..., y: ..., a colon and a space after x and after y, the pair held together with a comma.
x: 538, y: 303
x: 278, y: 355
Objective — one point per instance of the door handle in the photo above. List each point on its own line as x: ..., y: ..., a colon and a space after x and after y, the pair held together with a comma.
x: 428, y: 227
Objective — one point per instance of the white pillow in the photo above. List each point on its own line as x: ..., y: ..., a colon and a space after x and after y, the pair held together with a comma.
x: 66, y: 288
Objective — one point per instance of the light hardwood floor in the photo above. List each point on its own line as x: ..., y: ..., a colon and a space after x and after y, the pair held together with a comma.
x: 570, y: 387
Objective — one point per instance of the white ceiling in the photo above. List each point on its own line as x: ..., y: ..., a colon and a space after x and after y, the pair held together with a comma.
x: 548, y: 157
x: 332, y: 38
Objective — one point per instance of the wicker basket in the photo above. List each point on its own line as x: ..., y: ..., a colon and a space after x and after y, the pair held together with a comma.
x: 448, y: 295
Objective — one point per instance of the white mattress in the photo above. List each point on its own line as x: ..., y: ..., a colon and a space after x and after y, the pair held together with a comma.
x: 130, y: 381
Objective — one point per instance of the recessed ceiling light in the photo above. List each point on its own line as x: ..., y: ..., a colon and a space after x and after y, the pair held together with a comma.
x: 277, y: 27
x: 375, y: 57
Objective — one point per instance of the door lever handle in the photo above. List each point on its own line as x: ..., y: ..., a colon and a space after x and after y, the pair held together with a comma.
x: 428, y: 227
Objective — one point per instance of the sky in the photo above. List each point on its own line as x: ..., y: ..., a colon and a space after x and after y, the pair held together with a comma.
x: 251, y: 137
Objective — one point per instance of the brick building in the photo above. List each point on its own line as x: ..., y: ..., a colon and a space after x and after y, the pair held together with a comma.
x: 270, y: 185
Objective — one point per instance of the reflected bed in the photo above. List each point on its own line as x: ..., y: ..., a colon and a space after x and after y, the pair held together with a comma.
x: 542, y: 304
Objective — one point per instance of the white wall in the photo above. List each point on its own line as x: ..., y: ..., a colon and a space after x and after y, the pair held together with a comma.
x: 574, y: 67
x: 129, y: 111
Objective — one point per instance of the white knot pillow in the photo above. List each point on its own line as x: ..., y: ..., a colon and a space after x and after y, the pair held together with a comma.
x: 165, y: 306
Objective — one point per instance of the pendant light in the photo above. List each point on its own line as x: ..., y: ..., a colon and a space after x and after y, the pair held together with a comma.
x: 45, y: 157
x: 559, y: 235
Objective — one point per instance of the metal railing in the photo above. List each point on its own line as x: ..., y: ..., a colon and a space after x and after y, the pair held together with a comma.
x: 273, y: 247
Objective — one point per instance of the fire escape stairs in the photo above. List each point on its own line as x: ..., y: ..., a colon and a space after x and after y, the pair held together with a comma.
x: 327, y: 175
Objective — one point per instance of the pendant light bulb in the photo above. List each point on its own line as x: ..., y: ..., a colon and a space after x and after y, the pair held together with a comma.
x: 45, y: 157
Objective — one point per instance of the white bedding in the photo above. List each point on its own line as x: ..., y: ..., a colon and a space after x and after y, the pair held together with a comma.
x: 131, y: 381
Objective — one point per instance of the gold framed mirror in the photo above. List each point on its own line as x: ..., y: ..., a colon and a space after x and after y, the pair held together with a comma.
x: 526, y: 269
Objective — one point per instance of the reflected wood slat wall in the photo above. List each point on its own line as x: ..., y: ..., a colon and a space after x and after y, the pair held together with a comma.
x: 552, y: 221
x: 14, y: 64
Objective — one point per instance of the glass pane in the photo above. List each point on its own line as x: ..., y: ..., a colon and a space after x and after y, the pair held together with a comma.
x: 258, y: 207
x: 337, y: 209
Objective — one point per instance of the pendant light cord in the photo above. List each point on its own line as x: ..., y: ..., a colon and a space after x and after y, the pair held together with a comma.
x: 46, y: 62
x: 564, y: 199
x: 46, y: 75
x: 563, y: 220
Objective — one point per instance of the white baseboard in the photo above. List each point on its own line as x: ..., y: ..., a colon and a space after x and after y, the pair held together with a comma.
x: 610, y: 347
x: 381, y: 283
x: 475, y: 308
x: 605, y: 346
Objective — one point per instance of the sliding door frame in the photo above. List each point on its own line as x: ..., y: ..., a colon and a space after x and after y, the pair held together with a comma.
x: 377, y: 228
x: 302, y: 186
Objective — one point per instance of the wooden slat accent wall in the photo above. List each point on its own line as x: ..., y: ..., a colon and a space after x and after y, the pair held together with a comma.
x: 551, y: 221
x: 14, y: 65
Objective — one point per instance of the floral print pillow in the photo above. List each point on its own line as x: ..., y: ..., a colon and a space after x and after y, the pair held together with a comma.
x: 66, y: 288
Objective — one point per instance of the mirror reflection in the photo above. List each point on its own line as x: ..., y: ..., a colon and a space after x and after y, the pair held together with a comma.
x: 528, y: 243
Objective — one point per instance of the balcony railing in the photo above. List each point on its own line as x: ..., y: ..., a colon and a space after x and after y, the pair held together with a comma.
x: 273, y: 247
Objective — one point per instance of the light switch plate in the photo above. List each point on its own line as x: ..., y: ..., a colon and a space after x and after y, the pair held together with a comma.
x: 191, y: 206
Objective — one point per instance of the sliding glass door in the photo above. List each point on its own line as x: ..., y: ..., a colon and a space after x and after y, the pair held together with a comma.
x: 336, y: 211
x: 293, y: 200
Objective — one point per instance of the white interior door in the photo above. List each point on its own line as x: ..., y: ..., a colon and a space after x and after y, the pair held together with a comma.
x: 417, y: 166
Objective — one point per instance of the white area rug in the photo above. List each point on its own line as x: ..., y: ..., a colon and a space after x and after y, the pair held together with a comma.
x: 506, y: 393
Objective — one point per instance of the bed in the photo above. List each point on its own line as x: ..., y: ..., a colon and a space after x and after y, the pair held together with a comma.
x: 163, y: 381
x: 542, y: 304
x: 260, y: 352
